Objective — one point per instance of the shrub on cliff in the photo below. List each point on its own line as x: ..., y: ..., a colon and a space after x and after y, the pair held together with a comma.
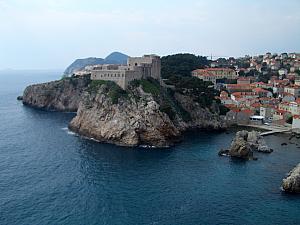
x: 201, y: 91
x: 148, y: 85
x: 115, y: 92
x: 95, y: 84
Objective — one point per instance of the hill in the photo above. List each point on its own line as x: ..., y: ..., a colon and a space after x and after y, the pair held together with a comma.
x: 113, y: 58
x: 79, y: 64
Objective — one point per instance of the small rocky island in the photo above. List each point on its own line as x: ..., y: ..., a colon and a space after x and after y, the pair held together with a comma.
x: 244, y: 144
x: 291, y: 183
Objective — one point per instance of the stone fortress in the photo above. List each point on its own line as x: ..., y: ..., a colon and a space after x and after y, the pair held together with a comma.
x: 137, y: 68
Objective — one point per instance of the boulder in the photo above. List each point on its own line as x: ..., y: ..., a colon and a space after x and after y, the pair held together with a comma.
x: 245, y: 143
x: 291, y: 183
x: 240, y: 148
x: 258, y: 143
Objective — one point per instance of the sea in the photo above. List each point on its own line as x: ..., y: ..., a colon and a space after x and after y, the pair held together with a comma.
x: 49, y: 175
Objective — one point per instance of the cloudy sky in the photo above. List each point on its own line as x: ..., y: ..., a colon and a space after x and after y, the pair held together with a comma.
x: 50, y: 34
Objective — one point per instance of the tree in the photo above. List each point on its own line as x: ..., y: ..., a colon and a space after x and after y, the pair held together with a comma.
x: 181, y: 64
x: 289, y: 120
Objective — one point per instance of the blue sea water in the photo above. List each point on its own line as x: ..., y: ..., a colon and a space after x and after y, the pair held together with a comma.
x: 49, y: 176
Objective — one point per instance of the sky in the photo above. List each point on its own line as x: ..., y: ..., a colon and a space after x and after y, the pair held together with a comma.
x: 51, y: 34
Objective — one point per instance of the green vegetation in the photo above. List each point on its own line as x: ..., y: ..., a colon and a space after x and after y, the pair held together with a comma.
x: 168, y: 99
x: 115, y: 92
x: 95, y: 84
x: 181, y: 64
x: 201, y: 91
x: 289, y: 120
x: 165, y: 97
x: 167, y: 108
x: 223, y: 110
x: 149, y: 85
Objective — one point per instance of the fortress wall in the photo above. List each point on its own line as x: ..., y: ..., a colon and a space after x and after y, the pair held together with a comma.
x: 115, y: 76
x: 137, y: 68
x: 132, y: 75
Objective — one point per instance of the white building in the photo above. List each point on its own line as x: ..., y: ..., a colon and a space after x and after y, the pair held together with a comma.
x: 296, y: 122
x: 282, y: 72
x: 215, y: 74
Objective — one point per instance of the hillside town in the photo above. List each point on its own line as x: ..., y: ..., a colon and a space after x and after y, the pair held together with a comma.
x: 261, y: 89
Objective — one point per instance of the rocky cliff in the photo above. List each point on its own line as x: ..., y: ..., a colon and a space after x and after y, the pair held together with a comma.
x: 63, y: 95
x: 143, y: 115
x: 291, y: 183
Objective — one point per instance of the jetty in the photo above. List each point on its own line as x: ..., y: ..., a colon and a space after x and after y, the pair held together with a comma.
x: 270, y: 129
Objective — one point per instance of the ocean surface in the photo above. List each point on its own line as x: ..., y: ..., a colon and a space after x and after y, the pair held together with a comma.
x: 51, y: 176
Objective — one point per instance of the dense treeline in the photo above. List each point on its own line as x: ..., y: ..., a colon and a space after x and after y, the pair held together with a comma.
x: 201, y: 91
x: 181, y: 64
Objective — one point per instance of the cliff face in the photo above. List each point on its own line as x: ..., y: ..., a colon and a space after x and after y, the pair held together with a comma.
x: 136, y: 120
x: 108, y: 114
x: 200, y: 118
x: 131, y: 122
x: 63, y: 95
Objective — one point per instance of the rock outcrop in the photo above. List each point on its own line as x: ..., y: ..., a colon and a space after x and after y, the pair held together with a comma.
x: 291, y: 183
x: 244, y: 144
x: 258, y: 143
x: 131, y: 122
x: 63, y: 95
x: 135, y: 121
x: 240, y: 146
x: 133, y: 117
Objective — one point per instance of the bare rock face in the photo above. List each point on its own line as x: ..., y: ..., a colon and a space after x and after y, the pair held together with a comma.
x: 245, y: 143
x: 201, y: 118
x: 291, y: 183
x: 63, y: 95
x: 240, y: 148
x: 257, y: 142
x: 131, y: 122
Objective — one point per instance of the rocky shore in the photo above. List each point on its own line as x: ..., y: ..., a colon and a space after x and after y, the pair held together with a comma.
x: 63, y: 95
x: 133, y: 117
x: 291, y: 183
x: 244, y: 144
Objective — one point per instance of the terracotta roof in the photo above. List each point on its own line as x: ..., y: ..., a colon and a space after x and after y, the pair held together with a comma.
x: 238, y: 85
x: 259, y: 90
x: 296, y: 117
x: 230, y: 106
x: 244, y: 78
x: 266, y: 99
x: 247, y: 111
x: 281, y: 111
x: 256, y: 105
